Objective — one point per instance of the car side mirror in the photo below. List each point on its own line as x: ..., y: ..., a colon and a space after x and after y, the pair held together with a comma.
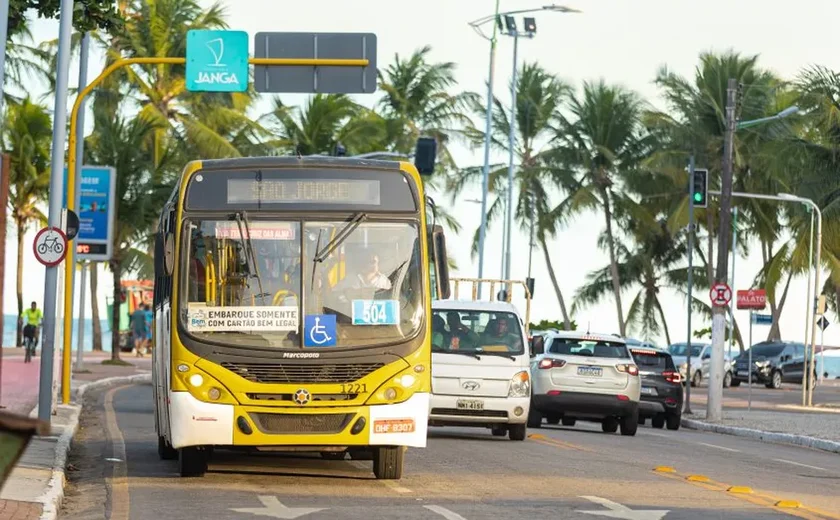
x: 425, y: 155
x: 537, y: 345
x: 441, y: 263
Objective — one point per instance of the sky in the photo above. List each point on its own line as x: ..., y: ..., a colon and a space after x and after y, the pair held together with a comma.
x: 620, y: 41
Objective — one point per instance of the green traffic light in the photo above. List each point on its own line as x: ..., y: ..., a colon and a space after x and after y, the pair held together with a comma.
x: 698, y: 197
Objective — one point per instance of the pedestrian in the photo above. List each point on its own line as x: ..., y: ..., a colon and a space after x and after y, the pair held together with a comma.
x: 139, y: 330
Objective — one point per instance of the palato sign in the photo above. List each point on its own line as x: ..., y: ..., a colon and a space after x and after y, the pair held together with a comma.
x: 755, y: 299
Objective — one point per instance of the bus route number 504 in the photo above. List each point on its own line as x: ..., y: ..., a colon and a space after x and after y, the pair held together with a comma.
x: 375, y: 312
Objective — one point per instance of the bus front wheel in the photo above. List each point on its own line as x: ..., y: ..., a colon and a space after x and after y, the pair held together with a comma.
x: 165, y: 450
x: 192, y: 462
x: 388, y: 462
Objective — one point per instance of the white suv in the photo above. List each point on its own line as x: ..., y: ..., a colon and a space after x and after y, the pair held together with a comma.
x: 591, y: 377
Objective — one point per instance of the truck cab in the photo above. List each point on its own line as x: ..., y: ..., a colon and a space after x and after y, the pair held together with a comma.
x: 480, y: 365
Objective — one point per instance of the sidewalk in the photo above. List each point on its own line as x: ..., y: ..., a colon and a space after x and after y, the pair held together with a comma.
x: 36, y: 484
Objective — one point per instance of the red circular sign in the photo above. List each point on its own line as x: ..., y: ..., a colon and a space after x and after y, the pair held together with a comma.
x: 50, y: 246
x: 720, y: 294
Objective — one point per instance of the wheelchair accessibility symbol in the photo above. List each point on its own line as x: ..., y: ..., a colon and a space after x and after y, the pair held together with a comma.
x: 319, y: 330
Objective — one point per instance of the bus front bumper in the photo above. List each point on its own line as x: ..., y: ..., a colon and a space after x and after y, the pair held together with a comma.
x: 198, y: 423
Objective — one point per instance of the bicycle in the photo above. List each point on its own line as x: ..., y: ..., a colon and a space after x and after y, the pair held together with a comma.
x: 29, y: 349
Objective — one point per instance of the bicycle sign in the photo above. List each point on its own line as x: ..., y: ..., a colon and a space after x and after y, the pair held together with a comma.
x: 50, y: 246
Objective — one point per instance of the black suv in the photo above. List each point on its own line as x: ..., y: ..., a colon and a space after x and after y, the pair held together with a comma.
x: 774, y: 363
x: 662, y: 390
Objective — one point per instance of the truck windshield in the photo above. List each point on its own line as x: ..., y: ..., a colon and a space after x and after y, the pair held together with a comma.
x: 460, y: 331
x: 257, y: 283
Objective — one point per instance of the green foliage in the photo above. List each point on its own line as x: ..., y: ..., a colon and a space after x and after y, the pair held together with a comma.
x: 549, y: 324
x: 88, y: 15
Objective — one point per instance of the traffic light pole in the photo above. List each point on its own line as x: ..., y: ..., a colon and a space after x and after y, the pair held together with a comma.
x: 687, y: 409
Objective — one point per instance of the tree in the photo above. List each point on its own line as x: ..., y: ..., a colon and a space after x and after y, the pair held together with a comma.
x: 141, y: 192
x: 27, y: 136
x: 87, y: 14
x: 606, y: 143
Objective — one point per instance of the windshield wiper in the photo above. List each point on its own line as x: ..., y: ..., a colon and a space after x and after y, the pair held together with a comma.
x: 340, y: 237
x: 242, y: 218
x: 474, y: 353
x: 501, y: 354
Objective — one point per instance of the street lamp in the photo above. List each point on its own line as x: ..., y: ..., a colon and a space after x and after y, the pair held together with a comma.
x: 806, y: 376
x: 476, y: 25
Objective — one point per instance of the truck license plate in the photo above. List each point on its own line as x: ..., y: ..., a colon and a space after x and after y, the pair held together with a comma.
x: 469, y: 404
x: 590, y: 371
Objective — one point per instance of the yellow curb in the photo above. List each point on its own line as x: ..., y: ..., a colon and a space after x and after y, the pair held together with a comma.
x: 664, y: 469
x: 788, y: 504
x: 745, y: 490
x: 697, y: 478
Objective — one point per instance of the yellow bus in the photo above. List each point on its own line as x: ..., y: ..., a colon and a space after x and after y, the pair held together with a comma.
x: 292, y: 310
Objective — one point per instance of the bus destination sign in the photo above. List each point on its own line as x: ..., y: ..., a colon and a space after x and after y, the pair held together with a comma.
x: 293, y: 191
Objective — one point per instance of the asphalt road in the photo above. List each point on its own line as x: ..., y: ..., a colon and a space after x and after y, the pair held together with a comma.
x: 766, y: 398
x: 557, y: 473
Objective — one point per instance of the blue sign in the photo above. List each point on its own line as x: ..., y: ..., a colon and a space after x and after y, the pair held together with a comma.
x: 376, y: 312
x: 94, y: 207
x: 217, y: 61
x: 319, y: 330
x: 762, y: 319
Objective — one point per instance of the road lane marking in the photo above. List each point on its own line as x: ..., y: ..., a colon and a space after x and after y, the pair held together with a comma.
x: 616, y: 510
x: 119, y: 496
x: 719, y: 447
x: 274, y: 508
x: 446, y: 513
x: 800, y: 464
x: 551, y: 441
x: 760, y: 499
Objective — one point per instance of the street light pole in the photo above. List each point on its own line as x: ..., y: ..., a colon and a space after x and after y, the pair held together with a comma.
x: 715, y: 392
x: 810, y: 268
x: 485, y: 174
x: 511, y: 140
x: 687, y: 410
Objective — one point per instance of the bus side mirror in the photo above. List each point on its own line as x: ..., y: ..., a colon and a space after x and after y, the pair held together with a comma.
x: 537, y: 345
x: 425, y: 155
x: 441, y: 263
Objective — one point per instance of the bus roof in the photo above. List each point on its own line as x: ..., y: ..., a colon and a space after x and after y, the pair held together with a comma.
x: 308, y: 161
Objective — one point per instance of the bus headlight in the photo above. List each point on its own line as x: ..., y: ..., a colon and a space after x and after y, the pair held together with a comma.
x: 196, y: 380
x: 520, y: 385
x: 407, y: 380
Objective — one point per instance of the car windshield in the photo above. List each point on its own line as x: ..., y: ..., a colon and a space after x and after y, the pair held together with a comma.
x: 766, y: 350
x: 363, y: 290
x: 476, y: 331
x: 681, y: 349
x: 652, y: 361
x: 588, y: 347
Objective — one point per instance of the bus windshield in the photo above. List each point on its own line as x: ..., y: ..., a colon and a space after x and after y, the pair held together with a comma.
x: 279, y: 289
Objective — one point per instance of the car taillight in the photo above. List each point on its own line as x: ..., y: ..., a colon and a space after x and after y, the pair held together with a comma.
x: 633, y: 370
x: 672, y: 377
x: 551, y: 363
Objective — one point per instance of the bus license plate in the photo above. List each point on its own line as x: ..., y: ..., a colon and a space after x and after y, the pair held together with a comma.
x: 590, y: 371
x: 647, y: 390
x: 469, y: 404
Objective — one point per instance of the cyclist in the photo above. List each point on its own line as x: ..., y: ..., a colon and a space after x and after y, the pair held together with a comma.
x: 32, y: 318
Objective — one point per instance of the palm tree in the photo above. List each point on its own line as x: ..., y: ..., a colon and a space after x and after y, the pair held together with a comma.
x: 141, y: 191
x: 538, y: 99
x: 27, y: 136
x: 606, y: 143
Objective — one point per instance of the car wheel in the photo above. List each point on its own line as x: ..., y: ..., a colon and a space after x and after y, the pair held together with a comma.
x: 498, y: 431
x: 569, y: 421
x: 517, y: 432
x: 552, y: 419
x: 658, y: 421
x: 727, y: 380
x: 696, y: 379
x: 534, y: 418
x: 776, y: 380
x: 609, y: 425
x: 736, y: 383
x: 630, y: 423
x: 672, y: 421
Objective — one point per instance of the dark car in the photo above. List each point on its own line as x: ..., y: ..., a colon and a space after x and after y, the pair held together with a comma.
x: 662, y: 389
x: 774, y: 363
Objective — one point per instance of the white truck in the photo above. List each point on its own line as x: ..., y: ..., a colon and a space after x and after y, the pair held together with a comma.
x: 480, y: 362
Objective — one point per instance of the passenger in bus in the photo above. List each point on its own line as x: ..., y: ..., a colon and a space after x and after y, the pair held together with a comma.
x: 371, y: 276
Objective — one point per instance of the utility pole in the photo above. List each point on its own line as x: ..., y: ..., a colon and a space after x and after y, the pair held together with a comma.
x: 532, y: 200
x: 511, y: 145
x: 4, y: 35
x: 714, y: 405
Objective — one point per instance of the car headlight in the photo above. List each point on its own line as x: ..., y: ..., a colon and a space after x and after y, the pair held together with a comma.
x: 520, y: 385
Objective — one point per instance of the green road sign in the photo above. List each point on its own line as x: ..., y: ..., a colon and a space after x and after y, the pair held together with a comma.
x: 217, y: 61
